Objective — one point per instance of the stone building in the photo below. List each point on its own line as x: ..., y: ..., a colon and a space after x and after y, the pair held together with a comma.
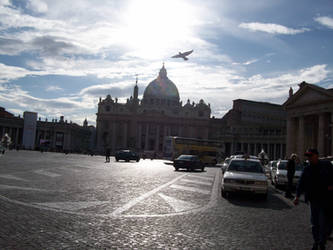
x: 143, y: 124
x: 309, y: 120
x: 57, y: 135
x: 251, y: 126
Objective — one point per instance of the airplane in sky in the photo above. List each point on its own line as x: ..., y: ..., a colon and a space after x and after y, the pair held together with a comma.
x: 183, y: 55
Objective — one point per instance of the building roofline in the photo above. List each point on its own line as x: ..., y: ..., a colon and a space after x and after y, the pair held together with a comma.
x: 268, y: 103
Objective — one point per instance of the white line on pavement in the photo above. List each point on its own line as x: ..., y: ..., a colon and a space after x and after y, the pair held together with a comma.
x: 197, y: 182
x: 46, y: 173
x: 202, y: 177
x: 23, y: 188
x: 191, y: 189
x: 72, y: 205
x: 12, y: 177
x: 131, y: 203
x: 178, y: 205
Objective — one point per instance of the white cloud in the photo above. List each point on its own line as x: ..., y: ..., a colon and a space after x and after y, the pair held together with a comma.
x: 271, y: 28
x: 11, y: 72
x: 53, y: 88
x: 37, y: 6
x: 326, y: 21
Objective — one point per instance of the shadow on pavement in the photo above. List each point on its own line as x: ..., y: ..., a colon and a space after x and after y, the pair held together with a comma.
x: 249, y: 200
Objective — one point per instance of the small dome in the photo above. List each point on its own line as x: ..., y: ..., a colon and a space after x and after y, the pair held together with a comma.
x: 161, y: 88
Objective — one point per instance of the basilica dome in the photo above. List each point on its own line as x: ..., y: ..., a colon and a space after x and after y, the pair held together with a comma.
x: 162, y: 89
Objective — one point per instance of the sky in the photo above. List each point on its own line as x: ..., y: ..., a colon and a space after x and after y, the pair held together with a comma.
x: 57, y: 58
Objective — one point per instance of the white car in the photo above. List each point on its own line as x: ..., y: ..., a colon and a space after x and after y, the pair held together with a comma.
x: 244, y: 175
x: 279, y: 173
x: 225, y: 164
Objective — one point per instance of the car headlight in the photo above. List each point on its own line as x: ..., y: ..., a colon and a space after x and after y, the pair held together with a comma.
x: 229, y: 181
x: 260, y: 183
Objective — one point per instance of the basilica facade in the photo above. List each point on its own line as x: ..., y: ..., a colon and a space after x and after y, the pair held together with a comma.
x: 143, y: 124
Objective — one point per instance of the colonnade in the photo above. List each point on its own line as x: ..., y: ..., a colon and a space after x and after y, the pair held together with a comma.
x: 13, y: 133
x: 274, y: 150
x: 310, y: 131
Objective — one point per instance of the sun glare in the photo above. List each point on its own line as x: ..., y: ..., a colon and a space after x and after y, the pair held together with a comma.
x: 151, y: 27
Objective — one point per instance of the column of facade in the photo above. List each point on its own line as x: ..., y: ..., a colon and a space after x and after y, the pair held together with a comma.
x: 140, y: 137
x: 113, y: 138
x: 17, y: 136
x: 146, y: 138
x: 281, y: 151
x: 291, y: 138
x: 125, y: 135
x: 180, y: 131
x: 10, y: 133
x: 300, y: 138
x: 331, y: 126
x: 157, y: 140
x: 321, y: 134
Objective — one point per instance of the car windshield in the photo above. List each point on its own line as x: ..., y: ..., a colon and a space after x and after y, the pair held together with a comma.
x: 282, y: 165
x: 245, y: 166
x: 186, y: 157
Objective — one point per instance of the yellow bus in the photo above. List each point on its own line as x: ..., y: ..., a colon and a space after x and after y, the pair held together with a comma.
x: 210, y: 152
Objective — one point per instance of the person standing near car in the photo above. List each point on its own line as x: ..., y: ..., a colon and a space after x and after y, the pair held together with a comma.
x: 316, y: 182
x: 291, y: 167
x: 107, y: 154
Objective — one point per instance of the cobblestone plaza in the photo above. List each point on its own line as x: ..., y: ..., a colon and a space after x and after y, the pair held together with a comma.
x: 58, y: 201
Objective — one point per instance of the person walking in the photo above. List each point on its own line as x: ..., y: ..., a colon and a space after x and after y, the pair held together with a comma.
x: 316, y: 182
x: 107, y: 154
x: 291, y: 167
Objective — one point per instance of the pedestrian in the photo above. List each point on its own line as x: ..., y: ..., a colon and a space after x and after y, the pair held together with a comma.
x: 316, y: 182
x: 107, y: 155
x: 291, y: 167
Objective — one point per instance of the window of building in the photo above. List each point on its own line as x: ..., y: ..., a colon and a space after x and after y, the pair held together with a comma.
x: 107, y: 108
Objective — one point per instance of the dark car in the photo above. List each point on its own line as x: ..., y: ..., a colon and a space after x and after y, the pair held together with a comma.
x: 190, y: 162
x: 127, y: 155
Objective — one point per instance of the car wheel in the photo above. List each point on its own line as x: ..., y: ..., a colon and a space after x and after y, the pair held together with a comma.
x: 176, y: 169
x: 202, y: 169
x: 224, y: 193
x: 137, y: 160
x: 263, y: 196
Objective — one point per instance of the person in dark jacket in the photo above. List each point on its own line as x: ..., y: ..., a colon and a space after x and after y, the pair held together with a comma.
x: 316, y: 182
x: 291, y: 167
x: 107, y: 155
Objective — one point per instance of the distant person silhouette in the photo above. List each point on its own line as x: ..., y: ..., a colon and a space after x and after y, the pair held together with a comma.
x: 107, y: 155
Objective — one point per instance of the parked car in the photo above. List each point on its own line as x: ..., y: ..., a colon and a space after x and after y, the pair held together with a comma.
x: 127, y: 155
x: 190, y: 162
x: 244, y: 175
x: 225, y: 164
x: 269, y: 168
x: 279, y: 173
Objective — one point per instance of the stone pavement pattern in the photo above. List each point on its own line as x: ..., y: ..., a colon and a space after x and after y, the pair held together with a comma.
x: 56, y: 201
